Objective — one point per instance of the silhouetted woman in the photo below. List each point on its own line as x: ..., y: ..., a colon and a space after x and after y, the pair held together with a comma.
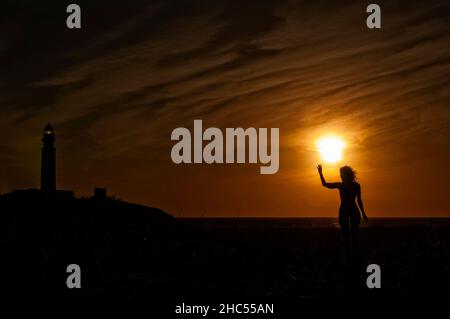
x: 349, y: 213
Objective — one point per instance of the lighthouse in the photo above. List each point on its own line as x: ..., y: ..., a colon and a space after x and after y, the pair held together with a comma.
x: 48, y: 161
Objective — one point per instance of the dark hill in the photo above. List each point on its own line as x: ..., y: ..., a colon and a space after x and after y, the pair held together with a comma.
x: 34, y: 207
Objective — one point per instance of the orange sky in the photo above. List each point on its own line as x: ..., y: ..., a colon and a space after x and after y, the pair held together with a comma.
x: 115, y: 90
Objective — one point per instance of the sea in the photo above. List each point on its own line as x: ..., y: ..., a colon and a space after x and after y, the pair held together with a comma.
x: 310, y: 222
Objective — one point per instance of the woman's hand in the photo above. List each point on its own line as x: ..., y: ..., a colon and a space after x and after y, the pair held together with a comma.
x: 319, y: 169
x: 365, y: 218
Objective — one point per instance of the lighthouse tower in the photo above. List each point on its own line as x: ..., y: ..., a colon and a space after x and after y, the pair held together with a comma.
x: 48, y: 161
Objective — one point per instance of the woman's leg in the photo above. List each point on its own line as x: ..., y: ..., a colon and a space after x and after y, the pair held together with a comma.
x: 354, y: 228
x: 344, y: 222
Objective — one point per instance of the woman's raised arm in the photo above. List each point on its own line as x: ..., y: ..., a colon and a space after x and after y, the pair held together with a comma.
x: 324, y: 182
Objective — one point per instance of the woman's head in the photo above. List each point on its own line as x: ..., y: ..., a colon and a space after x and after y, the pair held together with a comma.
x: 348, y: 174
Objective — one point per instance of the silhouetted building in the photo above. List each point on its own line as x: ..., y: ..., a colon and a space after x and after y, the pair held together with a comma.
x: 48, y: 161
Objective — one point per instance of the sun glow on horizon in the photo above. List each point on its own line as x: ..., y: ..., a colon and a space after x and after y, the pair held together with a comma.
x: 330, y: 148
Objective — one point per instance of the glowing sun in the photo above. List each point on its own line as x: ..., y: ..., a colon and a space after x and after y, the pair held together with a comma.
x: 330, y: 148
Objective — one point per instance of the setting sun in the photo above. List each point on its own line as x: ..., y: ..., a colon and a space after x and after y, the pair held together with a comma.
x: 330, y: 148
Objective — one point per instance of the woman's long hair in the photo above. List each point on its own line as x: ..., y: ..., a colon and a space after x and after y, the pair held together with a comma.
x: 348, y: 174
